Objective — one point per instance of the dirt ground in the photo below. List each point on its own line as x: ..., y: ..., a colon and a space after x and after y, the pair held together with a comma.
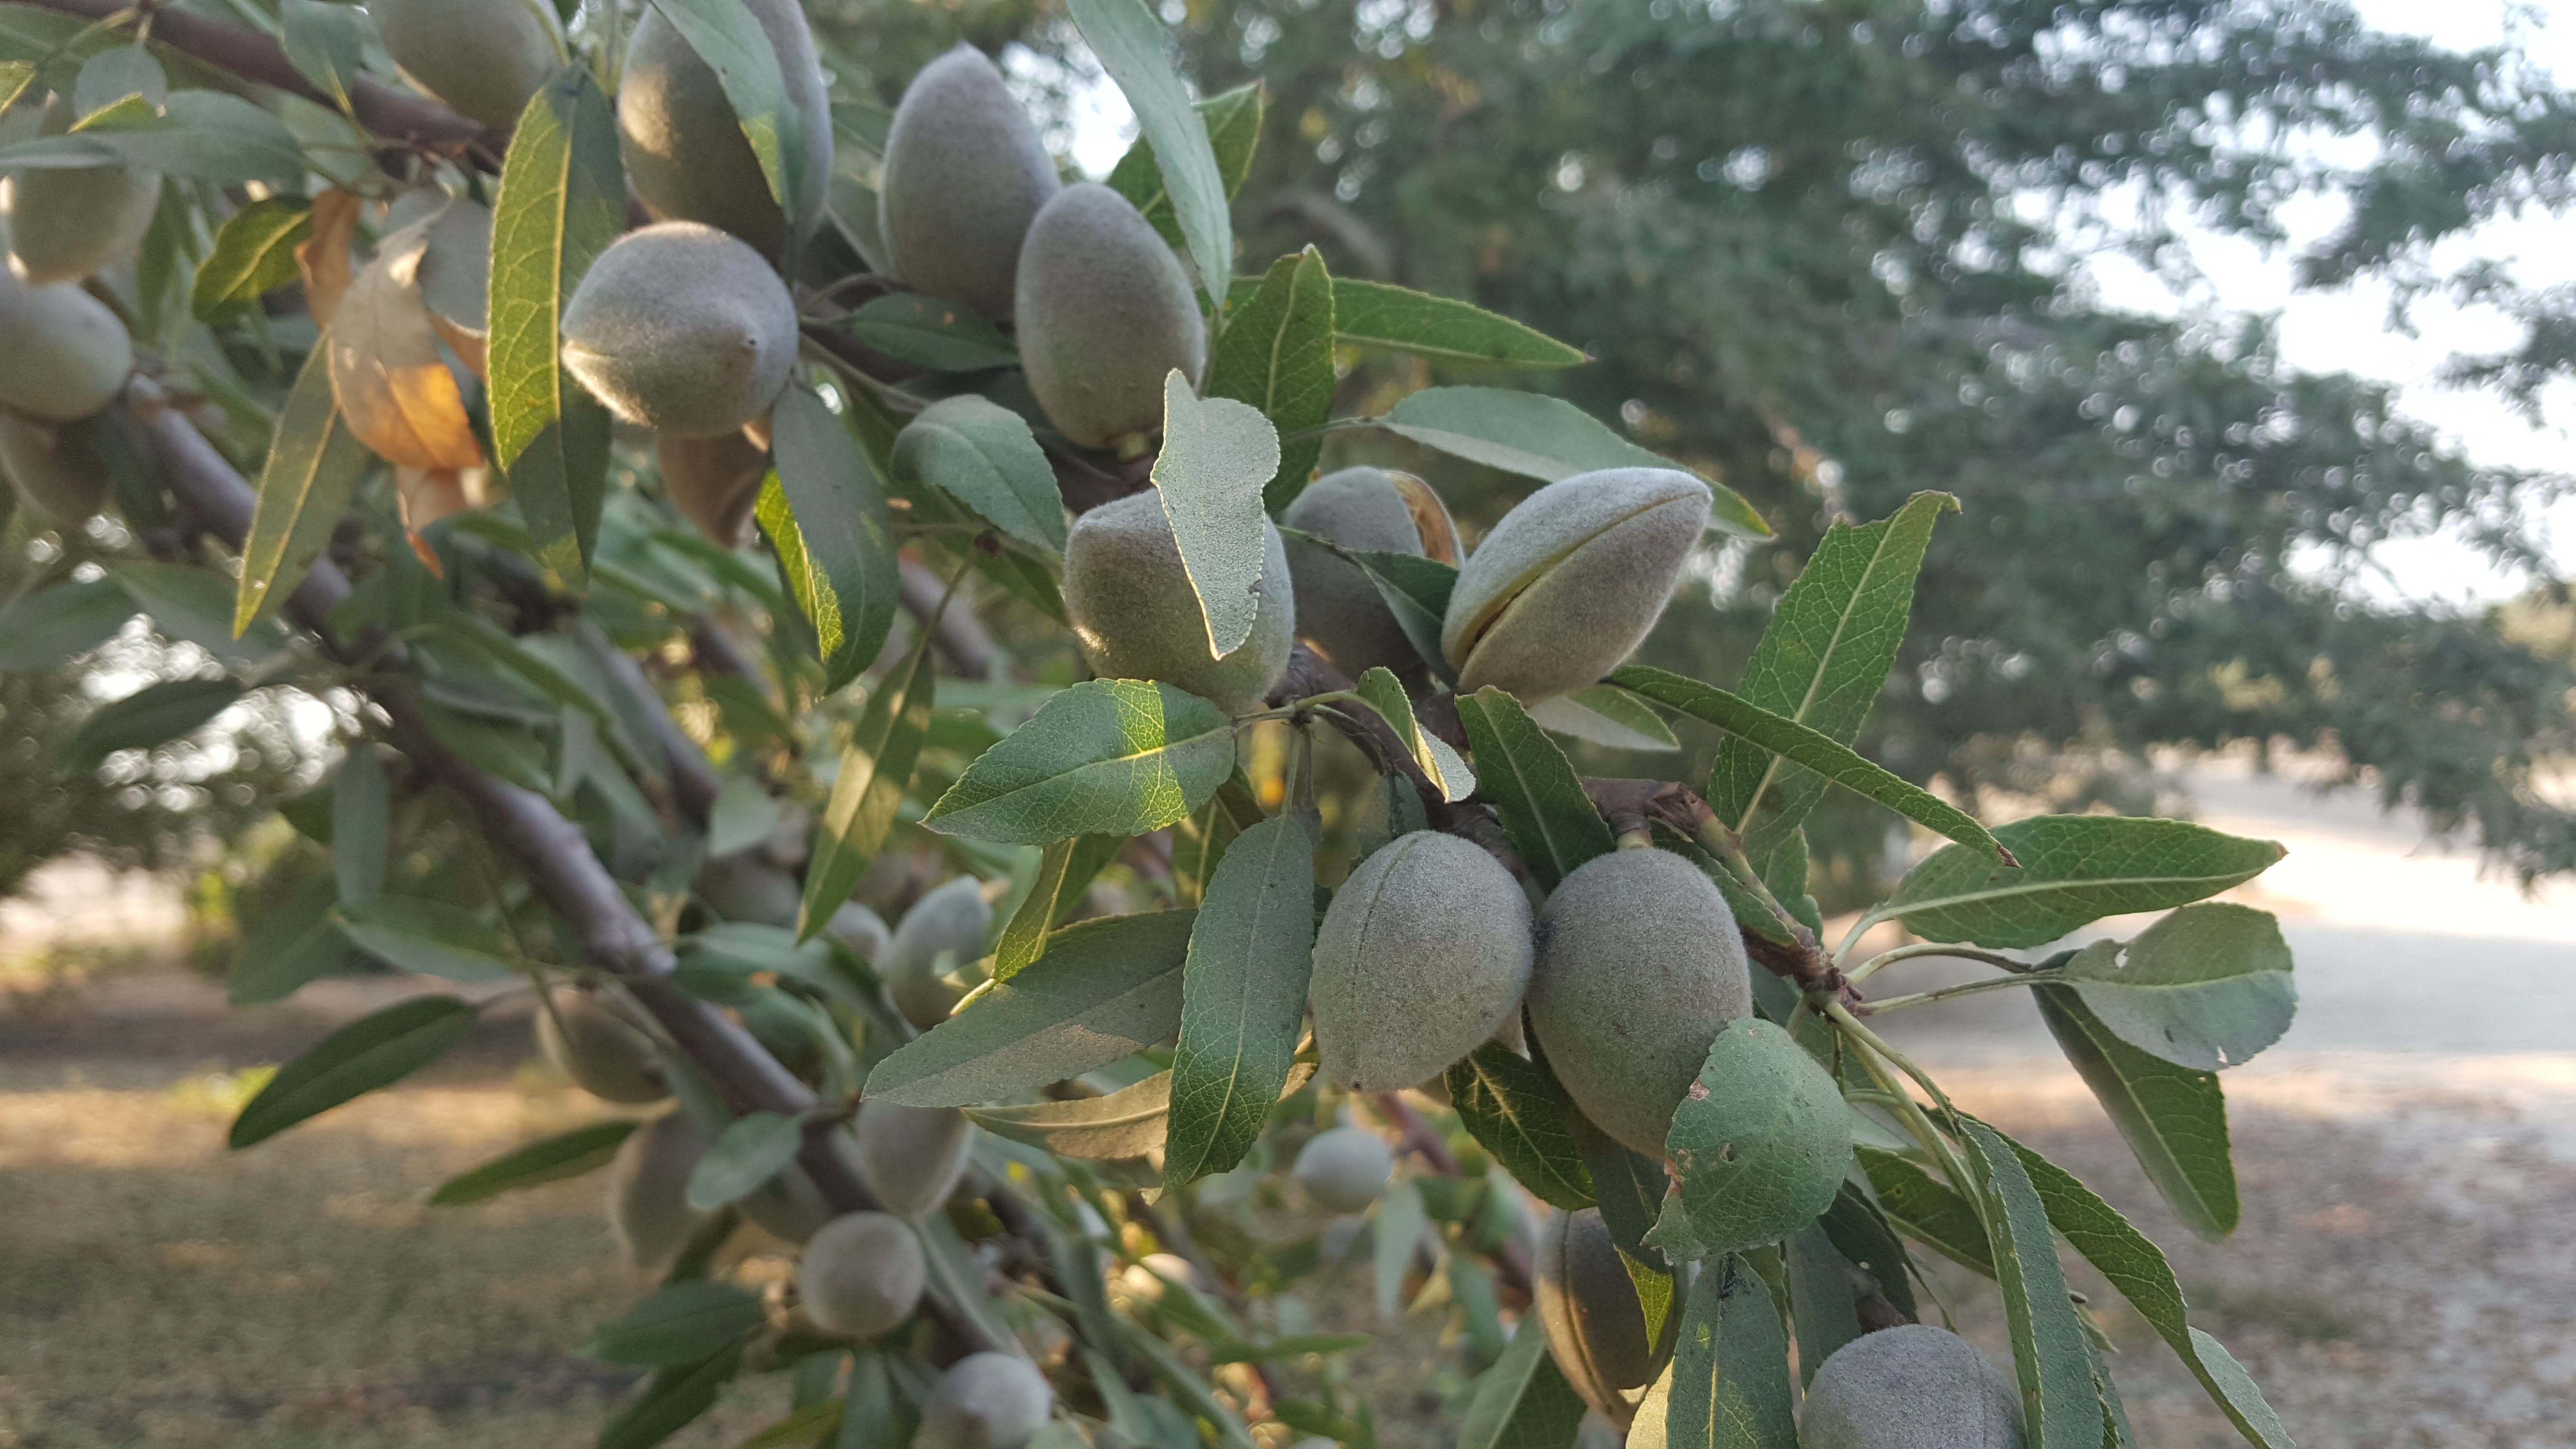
x: 2402, y: 1278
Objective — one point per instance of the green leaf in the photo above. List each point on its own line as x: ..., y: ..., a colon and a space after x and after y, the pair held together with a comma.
x: 1860, y: 1232
x: 194, y: 603
x: 957, y: 1279
x: 1104, y: 989
x: 1416, y: 591
x: 1218, y: 455
x: 1066, y: 868
x: 1822, y: 661
x: 313, y: 467
x: 929, y: 332
x: 737, y: 49
x: 1396, y: 319
x: 295, y: 945
x: 1133, y: 47
x: 1105, y: 757
x: 844, y: 574
x: 150, y: 717
x: 2138, y: 1270
x: 752, y: 1149
x: 1603, y: 714
x: 1818, y: 752
x: 359, y: 805
x: 1537, y: 436
x: 1517, y: 1110
x: 2060, y: 1408
x: 1759, y: 1145
x: 983, y: 455
x: 1276, y: 354
x: 1523, y: 1401
x: 15, y: 77
x: 684, y: 1323
x: 552, y: 1159
x: 326, y: 44
x: 114, y: 75
x: 2206, y: 987
x: 373, y: 1051
x: 254, y: 255
x: 671, y: 1400
x: 1731, y: 1366
x: 1385, y: 694
x: 1546, y: 816
x: 1233, y: 122
x: 1927, y: 1210
x: 562, y: 201
x: 52, y: 625
x: 2174, y: 1118
x: 876, y: 770
x: 198, y: 135
x: 1129, y: 1122
x: 1394, y: 1231
x: 415, y: 933
x: 2073, y: 869
x: 807, y: 1426
x: 1629, y: 1188
x: 1243, y: 1003
x: 1821, y: 1305
x: 743, y: 816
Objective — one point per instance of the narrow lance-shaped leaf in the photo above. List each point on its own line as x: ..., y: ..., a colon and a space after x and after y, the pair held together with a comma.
x: 669, y: 1401
x: 2174, y: 1118
x: 683, y: 1323
x: 1517, y: 1110
x: 752, y: 1149
x: 1542, y: 437
x: 1066, y: 869
x: 1523, y: 1401
x: 1927, y: 1210
x: 929, y: 332
x: 562, y: 201
x: 1217, y: 456
x: 2068, y: 870
x: 2060, y: 1409
x: 151, y: 716
x: 983, y: 455
x: 1107, y: 757
x: 1730, y: 1366
x: 552, y: 1159
x: 359, y: 805
x: 373, y: 1051
x: 1385, y: 694
x: 1276, y: 355
x: 1103, y: 990
x: 254, y: 255
x: 844, y: 572
x: 51, y: 625
x: 1823, y: 659
x: 2206, y: 987
x: 314, y: 464
x: 1546, y: 815
x: 876, y: 770
x: 1233, y: 122
x: 1821, y: 1305
x: 1396, y: 319
x: 1129, y: 1122
x: 1133, y: 47
x: 2138, y: 1270
x: 1830, y: 758
x: 1243, y: 998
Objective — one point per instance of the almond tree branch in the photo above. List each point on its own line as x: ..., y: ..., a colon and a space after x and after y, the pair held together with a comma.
x: 553, y: 852
x: 396, y: 115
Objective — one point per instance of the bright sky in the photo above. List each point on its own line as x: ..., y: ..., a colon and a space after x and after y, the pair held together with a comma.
x: 2341, y: 330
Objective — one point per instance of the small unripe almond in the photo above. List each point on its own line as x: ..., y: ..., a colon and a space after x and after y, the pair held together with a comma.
x: 598, y: 1050
x: 648, y: 1189
x: 860, y: 931
x: 950, y: 922
x: 861, y: 1274
x: 985, y: 1401
x: 1639, y: 965
x: 480, y: 58
x: 63, y: 355
x: 1137, y: 617
x: 682, y: 329
x: 714, y: 482
x: 912, y: 1157
x: 965, y: 174
x: 1571, y: 580
x: 1373, y: 511
x: 1423, y: 952
x: 1588, y: 1305
x: 745, y: 887
x: 66, y: 223
x: 1911, y: 1387
x: 1105, y: 314
x: 685, y: 152
x: 1343, y: 1169
x: 56, y: 472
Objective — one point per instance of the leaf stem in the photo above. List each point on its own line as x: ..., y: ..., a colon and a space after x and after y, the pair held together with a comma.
x: 1870, y: 967
x: 1947, y: 993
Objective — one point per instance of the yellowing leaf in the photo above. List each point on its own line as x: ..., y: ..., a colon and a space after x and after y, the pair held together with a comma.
x: 323, y: 257
x: 398, y: 397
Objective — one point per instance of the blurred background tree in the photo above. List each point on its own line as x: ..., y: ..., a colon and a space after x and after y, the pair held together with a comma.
x: 1828, y: 250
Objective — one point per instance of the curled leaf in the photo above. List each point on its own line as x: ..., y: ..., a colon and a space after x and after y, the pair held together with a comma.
x: 398, y: 396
